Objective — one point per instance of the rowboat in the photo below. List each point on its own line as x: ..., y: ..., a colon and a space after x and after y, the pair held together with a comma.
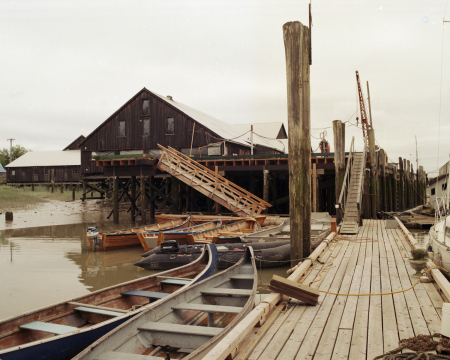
x: 150, y: 240
x: 119, y: 239
x: 168, y: 256
x: 60, y: 331
x: 207, y: 218
x: 190, y: 322
x: 230, y: 232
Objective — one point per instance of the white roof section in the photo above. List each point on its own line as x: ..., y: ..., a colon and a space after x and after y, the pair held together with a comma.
x: 231, y: 132
x: 268, y: 130
x: 48, y: 158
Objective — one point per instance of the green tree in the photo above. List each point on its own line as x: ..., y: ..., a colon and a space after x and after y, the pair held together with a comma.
x: 17, y: 151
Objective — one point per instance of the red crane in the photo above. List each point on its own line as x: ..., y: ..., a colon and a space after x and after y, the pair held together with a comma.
x: 364, y: 123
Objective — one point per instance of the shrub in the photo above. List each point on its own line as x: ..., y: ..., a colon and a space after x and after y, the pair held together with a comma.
x: 419, y: 254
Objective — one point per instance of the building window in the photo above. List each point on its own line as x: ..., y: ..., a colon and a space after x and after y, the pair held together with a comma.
x: 13, y: 172
x: 433, y: 191
x: 47, y: 171
x: 170, y: 126
x: 35, y: 171
x: 444, y: 186
x: 146, y: 124
x: 122, y: 128
x: 75, y: 171
x: 24, y: 173
x: 146, y: 107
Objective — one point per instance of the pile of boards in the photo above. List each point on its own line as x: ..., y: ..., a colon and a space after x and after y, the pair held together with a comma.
x: 294, y: 290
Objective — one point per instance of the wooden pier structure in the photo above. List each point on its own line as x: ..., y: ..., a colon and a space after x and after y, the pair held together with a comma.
x: 373, y: 261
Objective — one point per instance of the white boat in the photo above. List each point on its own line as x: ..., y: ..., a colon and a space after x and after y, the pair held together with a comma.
x: 439, y: 236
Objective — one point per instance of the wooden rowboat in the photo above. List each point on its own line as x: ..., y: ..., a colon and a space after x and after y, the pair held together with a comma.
x: 119, y: 239
x: 225, y: 233
x: 150, y: 240
x: 60, y: 331
x: 261, y: 219
x: 190, y: 322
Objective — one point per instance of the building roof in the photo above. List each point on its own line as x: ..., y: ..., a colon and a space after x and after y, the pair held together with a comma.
x: 268, y: 130
x: 222, y: 129
x: 74, y: 144
x: 48, y: 158
x: 2, y: 169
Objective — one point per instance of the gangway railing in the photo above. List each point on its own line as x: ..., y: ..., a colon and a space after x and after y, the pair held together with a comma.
x: 346, y: 184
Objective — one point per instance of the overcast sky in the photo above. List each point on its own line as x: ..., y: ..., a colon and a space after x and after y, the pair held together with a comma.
x: 66, y: 66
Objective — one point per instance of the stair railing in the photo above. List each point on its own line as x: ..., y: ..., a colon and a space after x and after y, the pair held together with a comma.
x: 361, y: 179
x: 346, y: 184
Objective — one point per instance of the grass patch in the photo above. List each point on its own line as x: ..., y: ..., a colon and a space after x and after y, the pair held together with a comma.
x: 12, y: 198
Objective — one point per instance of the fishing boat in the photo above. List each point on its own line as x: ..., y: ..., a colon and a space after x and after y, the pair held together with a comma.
x: 170, y: 254
x: 119, y: 239
x: 188, y: 324
x: 439, y: 235
x: 150, y: 240
x: 60, y: 331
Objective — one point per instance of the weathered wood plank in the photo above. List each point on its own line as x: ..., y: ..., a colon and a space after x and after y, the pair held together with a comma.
x: 342, y: 347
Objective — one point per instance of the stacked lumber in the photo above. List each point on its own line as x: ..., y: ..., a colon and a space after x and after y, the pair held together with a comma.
x: 294, y: 290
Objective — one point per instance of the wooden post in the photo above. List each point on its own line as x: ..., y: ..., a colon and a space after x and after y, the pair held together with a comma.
x: 62, y: 188
x: 373, y: 173
x: 339, y: 163
x: 408, y: 184
x: 395, y: 191
x: 32, y: 187
x: 73, y: 192
x: 53, y: 180
x: 266, y: 188
x: 116, y: 200
x: 389, y: 192
x: 143, y: 201
x: 216, y: 205
x: 84, y: 190
x: 152, y: 203
x: 401, y: 185
x: 314, y: 179
x: 133, y: 196
x: 383, y: 180
x: 296, y: 42
x: 422, y: 199
x: 175, y: 192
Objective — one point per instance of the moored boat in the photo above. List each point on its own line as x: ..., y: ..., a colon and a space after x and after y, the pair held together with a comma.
x: 439, y: 242
x: 119, y: 239
x: 150, y: 240
x: 261, y: 219
x: 62, y: 330
x: 189, y: 323
x: 170, y: 254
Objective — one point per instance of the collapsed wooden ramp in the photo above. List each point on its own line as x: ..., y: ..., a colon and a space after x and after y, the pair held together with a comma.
x: 207, y: 182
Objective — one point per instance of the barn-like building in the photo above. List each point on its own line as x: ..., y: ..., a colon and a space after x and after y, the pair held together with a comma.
x: 149, y: 119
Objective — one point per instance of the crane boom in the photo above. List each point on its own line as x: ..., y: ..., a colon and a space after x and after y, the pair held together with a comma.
x: 364, y: 123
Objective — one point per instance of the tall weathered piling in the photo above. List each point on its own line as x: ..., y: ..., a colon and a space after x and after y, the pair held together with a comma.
x: 266, y: 188
x: 401, y: 185
x: 373, y: 172
x: 395, y: 190
x: 297, y: 47
x: 339, y: 162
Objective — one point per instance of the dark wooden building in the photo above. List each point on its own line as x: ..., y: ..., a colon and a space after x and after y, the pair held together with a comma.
x: 74, y: 144
x: 45, y: 166
x: 149, y: 119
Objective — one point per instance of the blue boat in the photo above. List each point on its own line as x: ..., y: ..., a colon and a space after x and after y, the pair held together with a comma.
x: 60, y: 331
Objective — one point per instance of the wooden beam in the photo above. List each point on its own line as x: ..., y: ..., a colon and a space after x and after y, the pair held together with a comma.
x: 296, y: 42
x: 339, y: 163
x: 116, y: 200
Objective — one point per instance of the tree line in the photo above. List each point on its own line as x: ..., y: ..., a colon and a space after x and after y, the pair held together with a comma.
x: 17, y: 151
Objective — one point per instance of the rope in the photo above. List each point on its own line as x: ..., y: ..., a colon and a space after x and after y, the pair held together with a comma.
x: 377, y: 294
x: 412, y: 356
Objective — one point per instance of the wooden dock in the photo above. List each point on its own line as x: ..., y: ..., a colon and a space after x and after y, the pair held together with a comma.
x: 349, y: 327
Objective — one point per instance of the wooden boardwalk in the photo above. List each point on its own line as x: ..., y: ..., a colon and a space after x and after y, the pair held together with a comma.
x: 352, y: 327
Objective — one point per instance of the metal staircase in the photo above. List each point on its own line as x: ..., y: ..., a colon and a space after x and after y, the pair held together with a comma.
x: 216, y: 187
x: 350, y: 198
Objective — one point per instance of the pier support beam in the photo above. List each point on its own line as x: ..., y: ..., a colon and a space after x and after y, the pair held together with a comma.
x: 143, y: 200
x: 297, y: 45
x: 152, y: 201
x: 339, y: 163
x: 266, y: 188
x: 133, y: 196
x: 401, y: 185
x: 116, y: 200
x: 373, y: 173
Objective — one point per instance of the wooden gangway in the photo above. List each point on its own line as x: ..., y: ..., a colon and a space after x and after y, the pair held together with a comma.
x: 211, y: 184
x: 350, y: 199
x: 373, y: 261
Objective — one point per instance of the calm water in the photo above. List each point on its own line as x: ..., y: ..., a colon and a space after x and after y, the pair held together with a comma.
x: 41, y: 266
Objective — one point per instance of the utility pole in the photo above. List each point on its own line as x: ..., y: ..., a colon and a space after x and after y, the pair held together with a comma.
x: 10, y: 149
x: 370, y: 109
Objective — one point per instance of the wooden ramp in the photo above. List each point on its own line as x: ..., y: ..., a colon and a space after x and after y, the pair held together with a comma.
x: 351, y: 219
x: 373, y: 261
x: 216, y: 187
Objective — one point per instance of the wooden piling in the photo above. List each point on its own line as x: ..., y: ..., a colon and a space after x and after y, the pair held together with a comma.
x: 133, y: 196
x: 395, y: 190
x: 73, y: 192
x: 53, y: 180
x: 151, y: 203
x: 383, y: 180
x: 373, y: 173
x: 314, y: 187
x: 143, y: 200
x: 297, y: 42
x: 84, y: 190
x: 408, y: 185
x: 266, y: 188
x: 175, y: 193
x: 401, y: 185
x: 116, y: 200
x: 32, y: 187
x: 339, y: 163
